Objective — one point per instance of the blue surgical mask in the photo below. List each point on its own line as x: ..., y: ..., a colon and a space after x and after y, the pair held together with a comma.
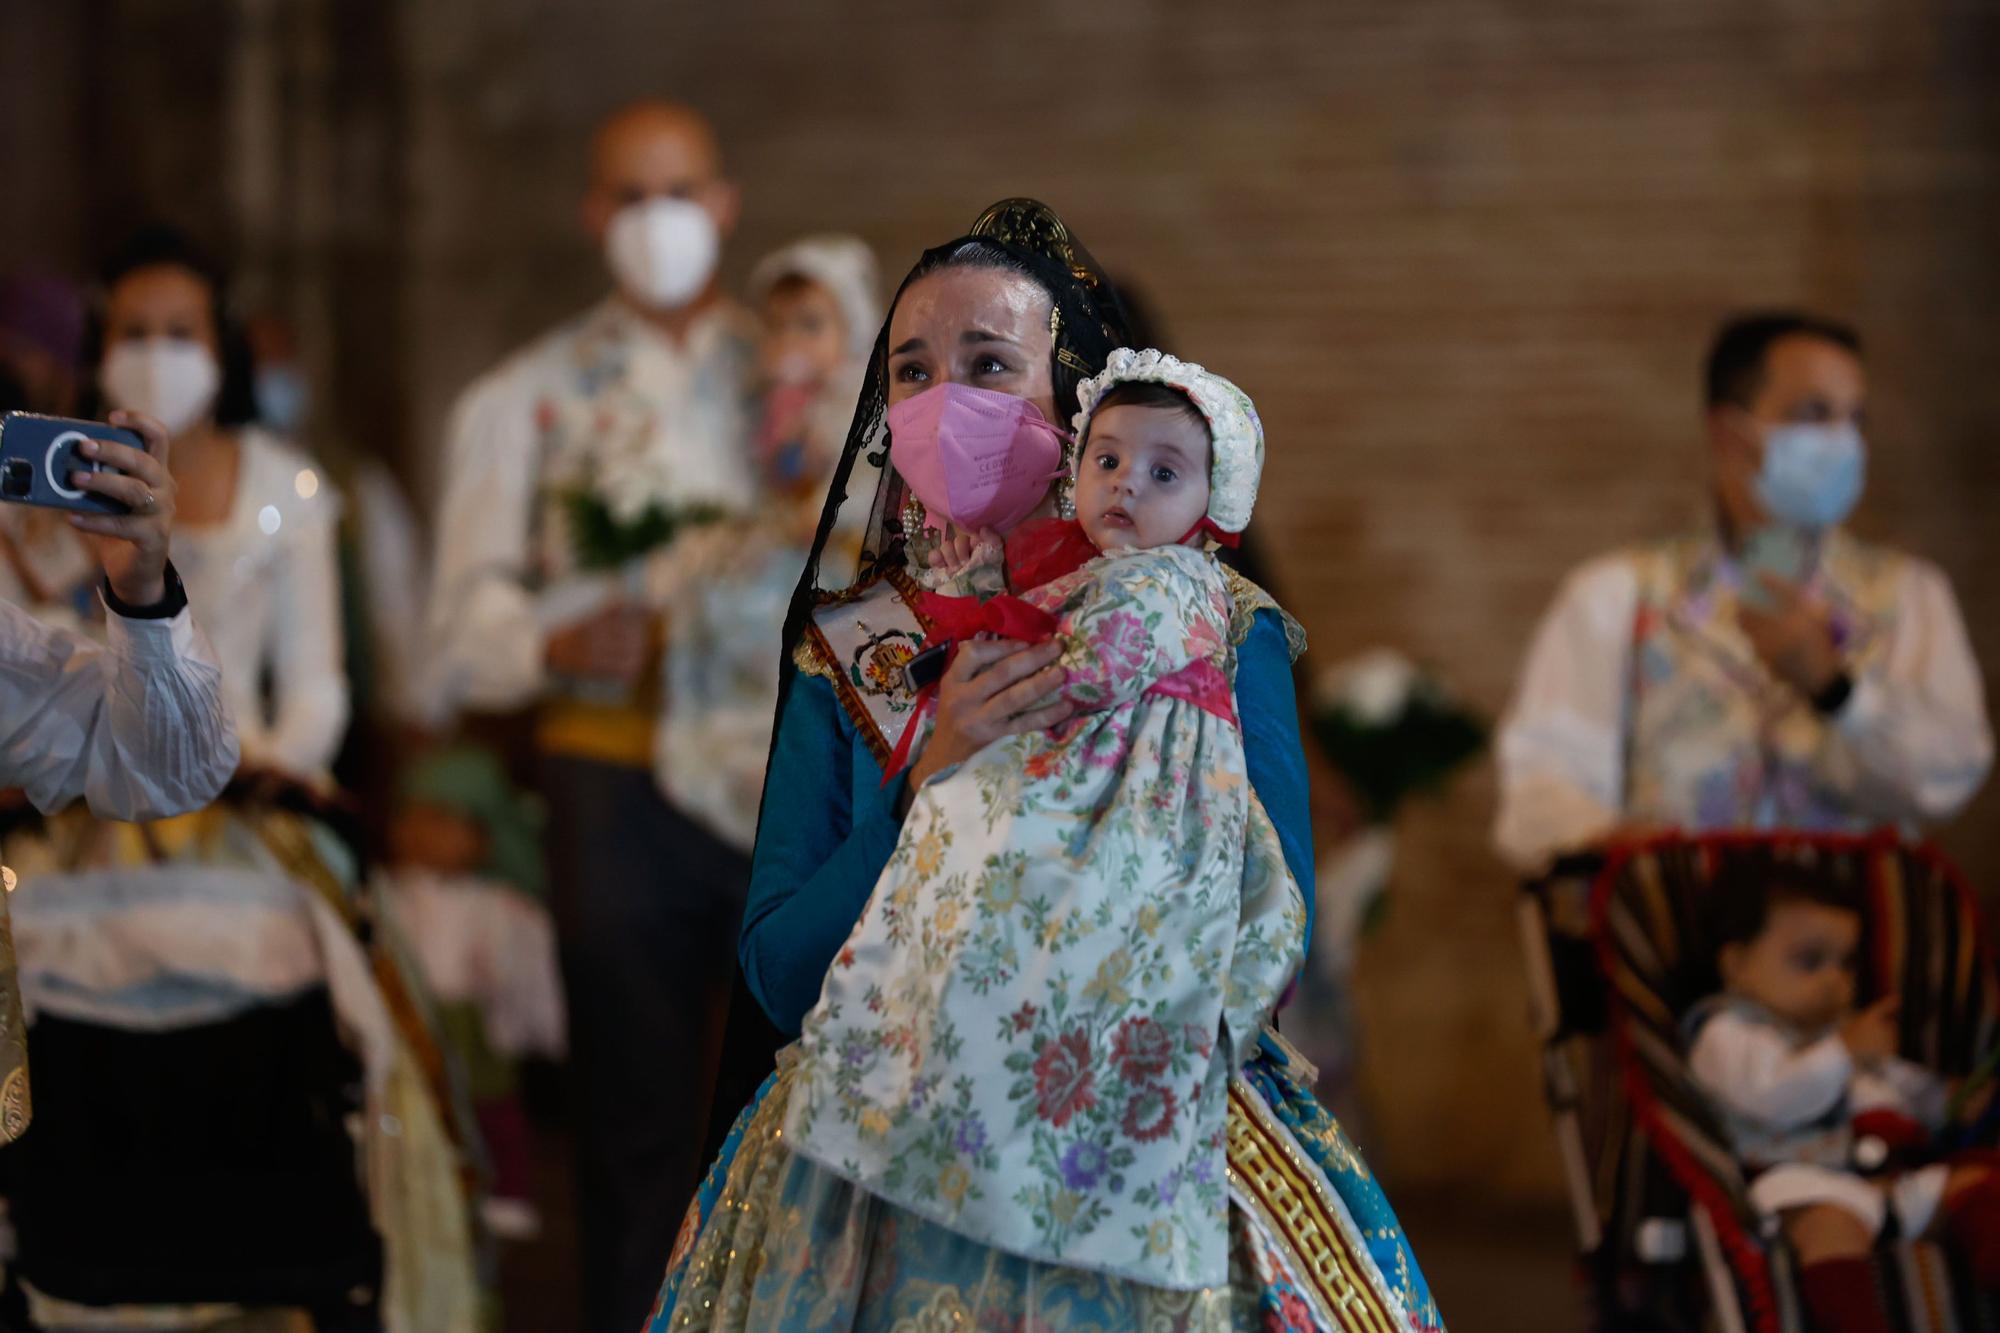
x: 282, y: 397
x: 1812, y: 474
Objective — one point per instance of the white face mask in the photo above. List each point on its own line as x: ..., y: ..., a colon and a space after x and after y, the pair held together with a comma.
x: 662, y: 251
x: 174, y: 380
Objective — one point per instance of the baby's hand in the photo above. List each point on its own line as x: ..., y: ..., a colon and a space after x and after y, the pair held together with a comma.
x: 958, y: 552
x: 1871, y: 1034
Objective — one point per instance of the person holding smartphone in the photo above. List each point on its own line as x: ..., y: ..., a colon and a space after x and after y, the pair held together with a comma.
x: 1767, y: 671
x: 137, y: 726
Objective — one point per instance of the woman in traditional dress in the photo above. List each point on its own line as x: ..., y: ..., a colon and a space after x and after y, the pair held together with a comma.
x: 772, y: 1240
x: 243, y: 907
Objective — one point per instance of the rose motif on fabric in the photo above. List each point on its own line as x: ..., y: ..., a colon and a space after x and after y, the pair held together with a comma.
x: 1149, y: 1113
x: 1104, y: 747
x: 1064, y: 1083
x: 1203, y: 641
x: 1120, y: 644
x: 1141, y: 1049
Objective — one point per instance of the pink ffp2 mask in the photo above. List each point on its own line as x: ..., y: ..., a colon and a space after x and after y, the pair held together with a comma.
x: 979, y: 458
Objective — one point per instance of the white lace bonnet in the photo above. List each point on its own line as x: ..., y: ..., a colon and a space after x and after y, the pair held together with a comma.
x: 1236, y: 437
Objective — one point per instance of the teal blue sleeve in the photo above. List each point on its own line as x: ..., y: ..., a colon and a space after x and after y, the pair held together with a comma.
x: 826, y: 832
x: 1268, y: 707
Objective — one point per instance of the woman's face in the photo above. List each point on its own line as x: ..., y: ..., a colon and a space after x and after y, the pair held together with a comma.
x: 161, y: 301
x: 982, y: 327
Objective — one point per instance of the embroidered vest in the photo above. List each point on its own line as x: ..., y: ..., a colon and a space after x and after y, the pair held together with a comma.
x: 1713, y: 740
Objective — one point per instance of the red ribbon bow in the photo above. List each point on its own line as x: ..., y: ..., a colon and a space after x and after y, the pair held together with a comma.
x: 953, y: 620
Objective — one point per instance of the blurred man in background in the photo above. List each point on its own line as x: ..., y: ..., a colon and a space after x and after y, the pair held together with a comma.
x: 534, y: 603
x: 1769, y: 671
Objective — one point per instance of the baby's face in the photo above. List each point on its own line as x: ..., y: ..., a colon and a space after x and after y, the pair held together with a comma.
x: 1144, y: 477
x: 1801, y: 967
x: 805, y: 338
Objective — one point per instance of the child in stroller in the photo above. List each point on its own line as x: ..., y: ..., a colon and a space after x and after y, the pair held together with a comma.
x: 1813, y: 1097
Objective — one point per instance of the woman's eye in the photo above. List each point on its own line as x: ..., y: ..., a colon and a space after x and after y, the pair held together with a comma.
x: 990, y: 365
x: 911, y: 373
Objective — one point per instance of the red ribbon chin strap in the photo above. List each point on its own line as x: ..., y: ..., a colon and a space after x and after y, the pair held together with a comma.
x: 1207, y: 528
x: 953, y: 621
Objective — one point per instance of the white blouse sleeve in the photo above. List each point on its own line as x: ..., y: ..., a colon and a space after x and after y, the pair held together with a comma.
x: 486, y: 643
x: 309, y: 705
x: 1561, y: 745
x: 1913, y: 741
x: 139, y: 728
x: 1754, y: 1071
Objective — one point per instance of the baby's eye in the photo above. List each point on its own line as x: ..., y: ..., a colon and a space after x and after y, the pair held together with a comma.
x: 1163, y: 475
x: 1109, y: 462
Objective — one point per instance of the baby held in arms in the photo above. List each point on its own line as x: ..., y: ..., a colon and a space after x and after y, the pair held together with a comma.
x: 1030, y: 1033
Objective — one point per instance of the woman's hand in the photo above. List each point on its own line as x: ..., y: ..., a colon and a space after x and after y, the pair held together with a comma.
x: 131, y: 547
x: 993, y: 688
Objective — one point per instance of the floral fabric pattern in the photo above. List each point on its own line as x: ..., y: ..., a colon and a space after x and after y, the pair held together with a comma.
x: 1029, y: 1035
x: 1715, y: 741
x: 775, y: 1241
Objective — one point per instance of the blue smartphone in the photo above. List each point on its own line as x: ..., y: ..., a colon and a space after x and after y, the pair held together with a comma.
x: 1776, y: 549
x: 38, y: 455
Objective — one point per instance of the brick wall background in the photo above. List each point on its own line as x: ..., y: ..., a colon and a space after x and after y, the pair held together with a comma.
x: 1465, y: 254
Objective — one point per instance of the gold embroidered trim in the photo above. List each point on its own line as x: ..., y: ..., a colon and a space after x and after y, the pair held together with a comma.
x: 16, y: 1103
x: 1248, y: 600
x: 810, y: 658
x: 1286, y: 1193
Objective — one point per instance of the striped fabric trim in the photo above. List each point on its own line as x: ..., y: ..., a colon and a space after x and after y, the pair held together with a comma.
x: 1289, y: 1199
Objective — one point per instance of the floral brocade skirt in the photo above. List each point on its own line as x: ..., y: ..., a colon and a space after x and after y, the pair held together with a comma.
x: 774, y: 1241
